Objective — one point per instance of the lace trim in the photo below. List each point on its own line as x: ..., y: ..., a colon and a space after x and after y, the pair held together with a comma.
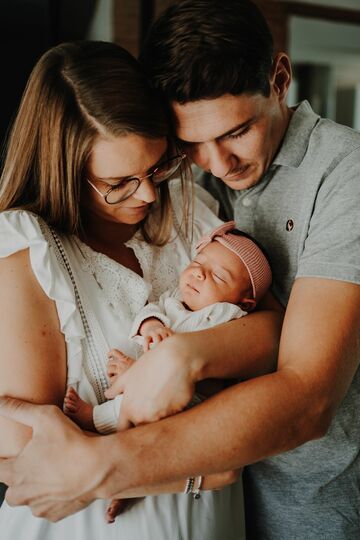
x: 115, y: 280
x: 159, y: 264
x: 93, y: 367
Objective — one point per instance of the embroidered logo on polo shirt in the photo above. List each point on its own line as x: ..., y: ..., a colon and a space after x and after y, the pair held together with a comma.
x: 289, y: 225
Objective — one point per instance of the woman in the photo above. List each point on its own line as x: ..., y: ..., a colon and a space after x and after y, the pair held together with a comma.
x: 86, y: 241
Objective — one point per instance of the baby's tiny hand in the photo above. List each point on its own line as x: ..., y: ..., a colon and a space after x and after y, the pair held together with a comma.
x: 155, y: 334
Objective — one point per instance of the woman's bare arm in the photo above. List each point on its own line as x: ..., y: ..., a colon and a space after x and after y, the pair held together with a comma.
x: 33, y: 355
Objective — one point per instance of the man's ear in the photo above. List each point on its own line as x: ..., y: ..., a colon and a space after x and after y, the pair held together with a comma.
x: 281, y: 75
x: 248, y: 304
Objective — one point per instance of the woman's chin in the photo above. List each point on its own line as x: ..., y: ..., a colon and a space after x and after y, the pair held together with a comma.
x: 131, y: 216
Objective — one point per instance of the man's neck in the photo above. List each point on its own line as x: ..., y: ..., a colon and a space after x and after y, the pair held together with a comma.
x: 284, y: 124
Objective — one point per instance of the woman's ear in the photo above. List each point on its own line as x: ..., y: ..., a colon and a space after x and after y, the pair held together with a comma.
x: 281, y: 75
x: 248, y: 304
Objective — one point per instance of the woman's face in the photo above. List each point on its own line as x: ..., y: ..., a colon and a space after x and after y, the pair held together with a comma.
x: 113, y: 160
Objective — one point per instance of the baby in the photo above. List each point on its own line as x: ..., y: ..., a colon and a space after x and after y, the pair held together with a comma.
x: 227, y: 278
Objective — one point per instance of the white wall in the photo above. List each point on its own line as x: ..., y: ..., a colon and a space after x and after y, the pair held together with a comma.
x: 324, y: 41
x: 335, y: 45
x: 329, y: 43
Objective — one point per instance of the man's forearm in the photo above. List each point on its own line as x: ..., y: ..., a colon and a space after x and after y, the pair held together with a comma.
x: 243, y: 348
x: 236, y: 427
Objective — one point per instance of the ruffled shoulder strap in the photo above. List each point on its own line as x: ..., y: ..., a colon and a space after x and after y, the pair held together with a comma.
x: 20, y: 230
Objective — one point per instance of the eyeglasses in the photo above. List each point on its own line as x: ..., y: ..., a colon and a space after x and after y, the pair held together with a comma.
x: 127, y: 187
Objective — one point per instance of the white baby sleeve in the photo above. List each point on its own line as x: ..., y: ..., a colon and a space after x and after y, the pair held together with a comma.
x: 106, y: 415
x: 151, y: 310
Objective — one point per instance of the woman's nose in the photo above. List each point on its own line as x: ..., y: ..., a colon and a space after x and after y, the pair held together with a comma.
x: 146, y: 191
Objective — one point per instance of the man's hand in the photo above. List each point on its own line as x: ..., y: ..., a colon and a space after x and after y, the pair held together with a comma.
x: 160, y: 383
x: 46, y: 475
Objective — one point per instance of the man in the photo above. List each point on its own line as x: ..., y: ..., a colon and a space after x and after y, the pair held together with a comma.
x: 292, y: 180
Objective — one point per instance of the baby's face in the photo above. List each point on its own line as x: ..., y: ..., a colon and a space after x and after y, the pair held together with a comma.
x: 215, y: 275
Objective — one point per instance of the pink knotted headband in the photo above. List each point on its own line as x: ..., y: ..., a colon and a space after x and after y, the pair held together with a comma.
x: 251, y: 255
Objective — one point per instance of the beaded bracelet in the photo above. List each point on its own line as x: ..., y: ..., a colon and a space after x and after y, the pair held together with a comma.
x: 189, y: 485
x: 193, y: 486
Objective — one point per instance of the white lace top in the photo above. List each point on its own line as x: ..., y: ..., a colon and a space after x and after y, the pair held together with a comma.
x: 96, y: 300
x: 96, y: 297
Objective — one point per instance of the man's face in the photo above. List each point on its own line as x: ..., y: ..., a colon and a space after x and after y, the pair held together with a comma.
x: 233, y: 137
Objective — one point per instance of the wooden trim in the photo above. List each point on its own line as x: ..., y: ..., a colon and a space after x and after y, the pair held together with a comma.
x: 278, y: 21
x: 127, y: 24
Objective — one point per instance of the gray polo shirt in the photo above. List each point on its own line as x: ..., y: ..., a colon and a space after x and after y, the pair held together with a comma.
x: 305, y: 211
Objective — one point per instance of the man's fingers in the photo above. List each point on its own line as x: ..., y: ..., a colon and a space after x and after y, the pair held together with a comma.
x: 42, y: 507
x: 20, y: 411
x: 6, y: 470
x: 115, y: 389
x: 19, y: 496
x: 146, y: 344
x: 123, y: 423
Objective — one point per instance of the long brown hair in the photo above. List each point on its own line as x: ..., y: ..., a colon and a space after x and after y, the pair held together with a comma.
x: 75, y: 91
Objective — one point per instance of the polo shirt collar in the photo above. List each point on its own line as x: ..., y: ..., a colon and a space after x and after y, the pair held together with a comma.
x: 296, y: 140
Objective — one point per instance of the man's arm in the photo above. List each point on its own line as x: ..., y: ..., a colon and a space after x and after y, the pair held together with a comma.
x: 162, y: 381
x: 261, y: 417
x: 319, y: 355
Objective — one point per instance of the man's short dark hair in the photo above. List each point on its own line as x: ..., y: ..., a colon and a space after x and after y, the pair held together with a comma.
x: 203, y: 49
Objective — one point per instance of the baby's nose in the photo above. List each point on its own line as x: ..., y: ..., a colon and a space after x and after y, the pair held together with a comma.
x: 198, y: 273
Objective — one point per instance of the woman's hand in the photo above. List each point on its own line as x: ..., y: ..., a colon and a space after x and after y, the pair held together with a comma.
x: 160, y: 383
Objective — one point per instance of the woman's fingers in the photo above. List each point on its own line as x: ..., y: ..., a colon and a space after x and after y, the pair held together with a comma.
x: 6, y: 470
x: 220, y: 480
